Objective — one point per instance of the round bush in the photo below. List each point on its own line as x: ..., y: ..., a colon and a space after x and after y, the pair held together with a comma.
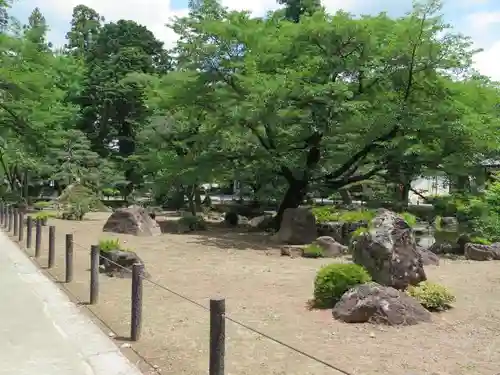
x: 333, y: 280
x: 433, y: 297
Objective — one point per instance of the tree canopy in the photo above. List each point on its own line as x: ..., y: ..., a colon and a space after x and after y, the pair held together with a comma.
x: 296, y: 102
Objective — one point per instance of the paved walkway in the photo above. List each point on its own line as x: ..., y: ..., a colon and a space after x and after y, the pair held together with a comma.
x: 42, y: 332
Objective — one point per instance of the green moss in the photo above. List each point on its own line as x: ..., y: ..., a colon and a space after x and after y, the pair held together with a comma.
x: 312, y: 251
x: 330, y: 214
x: 410, y: 219
x: 480, y: 240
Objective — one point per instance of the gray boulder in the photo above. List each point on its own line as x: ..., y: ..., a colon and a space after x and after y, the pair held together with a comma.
x: 330, y: 247
x: 474, y: 251
x: 119, y: 263
x: 389, y: 252
x: 374, y: 303
x: 428, y: 257
x: 298, y: 227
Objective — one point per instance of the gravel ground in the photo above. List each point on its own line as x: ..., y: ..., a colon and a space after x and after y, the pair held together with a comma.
x: 270, y: 293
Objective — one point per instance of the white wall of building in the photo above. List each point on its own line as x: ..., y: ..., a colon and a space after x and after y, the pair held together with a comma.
x: 428, y: 186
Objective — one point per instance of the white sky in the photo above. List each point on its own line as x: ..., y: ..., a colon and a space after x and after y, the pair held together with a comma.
x: 483, y: 26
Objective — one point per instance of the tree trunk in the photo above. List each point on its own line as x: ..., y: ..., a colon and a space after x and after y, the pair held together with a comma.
x: 190, y: 194
x: 294, y: 196
x: 346, y: 197
x: 197, y: 198
x: 404, y: 193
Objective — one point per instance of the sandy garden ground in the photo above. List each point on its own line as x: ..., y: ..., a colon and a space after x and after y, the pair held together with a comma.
x: 270, y: 293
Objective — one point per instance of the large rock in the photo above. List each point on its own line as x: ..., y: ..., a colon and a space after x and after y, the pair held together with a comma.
x: 428, y: 257
x: 132, y: 220
x: 330, y: 247
x: 474, y: 251
x: 263, y: 222
x: 331, y: 229
x: 119, y: 263
x: 389, y: 252
x: 298, y: 227
x: 374, y: 303
x: 449, y: 223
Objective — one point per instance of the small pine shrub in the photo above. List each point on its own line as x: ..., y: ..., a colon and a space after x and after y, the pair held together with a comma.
x: 433, y: 297
x: 312, y: 251
x: 333, y: 280
x: 110, y: 244
x: 193, y: 223
x: 45, y: 215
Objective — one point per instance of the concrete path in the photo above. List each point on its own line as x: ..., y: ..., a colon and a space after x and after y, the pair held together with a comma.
x: 42, y: 332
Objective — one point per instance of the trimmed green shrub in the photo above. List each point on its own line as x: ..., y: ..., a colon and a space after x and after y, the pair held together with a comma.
x: 312, y: 251
x: 333, y: 280
x: 110, y: 244
x: 433, y: 297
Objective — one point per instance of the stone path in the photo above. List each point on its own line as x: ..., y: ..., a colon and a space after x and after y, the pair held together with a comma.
x: 42, y: 332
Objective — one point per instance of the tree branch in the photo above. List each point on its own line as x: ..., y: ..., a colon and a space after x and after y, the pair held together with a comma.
x: 362, y: 153
x: 354, y: 179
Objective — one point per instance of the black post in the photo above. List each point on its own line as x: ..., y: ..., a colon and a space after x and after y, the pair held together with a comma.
x: 2, y: 212
x: 29, y: 231
x: 217, y: 336
x: 52, y: 246
x: 16, y: 221
x: 9, y: 219
x: 94, y: 274
x: 21, y: 227
x: 136, y: 317
x: 69, y: 257
x: 38, y: 238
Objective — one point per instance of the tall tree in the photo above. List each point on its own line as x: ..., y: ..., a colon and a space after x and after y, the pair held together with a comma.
x: 112, y: 104
x: 295, y: 9
x: 325, y: 98
x: 36, y: 30
x: 85, y: 26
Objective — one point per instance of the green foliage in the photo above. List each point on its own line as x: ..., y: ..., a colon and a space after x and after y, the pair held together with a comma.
x: 110, y: 244
x: 410, y: 219
x: 324, y: 214
x: 76, y: 211
x: 312, y: 251
x: 192, y: 222
x: 285, y: 107
x: 45, y: 215
x: 480, y: 240
x: 359, y: 231
x: 330, y: 214
x: 333, y: 280
x: 433, y: 297
x: 41, y: 205
x: 110, y: 192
